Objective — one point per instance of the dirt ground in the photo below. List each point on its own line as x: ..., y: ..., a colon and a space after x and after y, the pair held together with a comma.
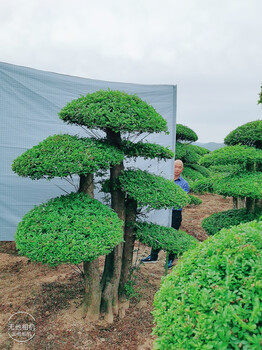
x: 52, y: 296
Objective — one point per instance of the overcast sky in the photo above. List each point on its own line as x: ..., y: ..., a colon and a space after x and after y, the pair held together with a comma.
x: 210, y: 49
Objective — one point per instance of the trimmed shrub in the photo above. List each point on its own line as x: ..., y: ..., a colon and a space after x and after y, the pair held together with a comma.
x: 212, y: 299
x: 225, y: 219
x: 166, y: 238
x: 68, y: 229
x: 194, y: 200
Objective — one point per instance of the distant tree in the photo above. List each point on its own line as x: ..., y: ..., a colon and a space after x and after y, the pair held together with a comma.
x: 190, y: 154
x: 80, y: 227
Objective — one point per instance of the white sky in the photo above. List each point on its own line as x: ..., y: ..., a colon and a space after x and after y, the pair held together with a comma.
x: 211, y: 49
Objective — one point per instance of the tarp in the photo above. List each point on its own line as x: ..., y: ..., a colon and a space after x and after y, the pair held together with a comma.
x: 29, y: 102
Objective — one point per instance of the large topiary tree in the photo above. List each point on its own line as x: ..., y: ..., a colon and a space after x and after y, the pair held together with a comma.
x: 242, y: 179
x: 118, y: 115
x: 212, y: 299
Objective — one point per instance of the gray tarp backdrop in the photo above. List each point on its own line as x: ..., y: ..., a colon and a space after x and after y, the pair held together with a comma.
x: 29, y: 102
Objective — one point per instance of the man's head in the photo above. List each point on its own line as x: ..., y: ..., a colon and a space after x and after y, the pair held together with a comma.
x: 179, y: 167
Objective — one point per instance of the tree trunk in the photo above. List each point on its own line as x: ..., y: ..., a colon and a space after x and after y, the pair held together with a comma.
x: 92, y: 297
x: 127, y: 258
x: 239, y: 203
x: 113, y: 262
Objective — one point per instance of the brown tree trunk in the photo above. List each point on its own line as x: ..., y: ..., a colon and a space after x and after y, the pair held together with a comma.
x: 113, y: 262
x: 127, y: 258
x: 92, y: 297
x: 239, y: 203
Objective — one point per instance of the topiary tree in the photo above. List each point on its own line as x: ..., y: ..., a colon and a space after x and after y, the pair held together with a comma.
x: 243, y: 179
x: 248, y: 134
x: 118, y: 115
x: 190, y: 154
x: 212, y: 299
x: 74, y: 228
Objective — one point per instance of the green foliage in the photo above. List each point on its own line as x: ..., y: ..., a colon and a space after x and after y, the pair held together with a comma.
x: 205, y: 185
x: 233, y: 155
x: 183, y: 133
x: 245, y: 184
x: 212, y: 299
x: 186, y: 153
x: 249, y: 134
x: 114, y: 110
x: 260, y: 96
x: 190, y: 175
x: 64, y: 155
x: 225, y: 219
x: 68, y: 229
x: 166, y: 238
x: 194, y: 200
x: 152, y: 190
x: 146, y: 150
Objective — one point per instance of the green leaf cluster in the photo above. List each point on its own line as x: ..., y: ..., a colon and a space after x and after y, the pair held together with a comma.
x: 212, y: 299
x: 194, y: 200
x: 64, y: 155
x: 245, y: 184
x: 243, y: 155
x: 68, y: 229
x: 166, y: 238
x: 146, y: 150
x: 184, y: 133
x: 152, y: 190
x: 225, y: 219
x: 249, y: 134
x: 116, y: 110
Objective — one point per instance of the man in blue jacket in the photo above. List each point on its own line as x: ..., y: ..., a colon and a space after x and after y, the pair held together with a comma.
x: 176, y: 214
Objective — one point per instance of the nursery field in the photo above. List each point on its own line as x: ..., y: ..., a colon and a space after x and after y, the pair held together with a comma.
x: 52, y: 296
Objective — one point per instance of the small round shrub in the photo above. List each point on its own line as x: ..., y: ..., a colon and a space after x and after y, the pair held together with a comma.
x: 166, y: 238
x: 68, y: 229
x: 212, y: 299
x: 114, y: 110
x: 225, y: 219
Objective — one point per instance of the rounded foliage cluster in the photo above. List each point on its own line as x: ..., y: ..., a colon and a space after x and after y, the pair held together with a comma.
x: 146, y: 150
x: 225, y: 219
x: 184, y: 133
x: 233, y: 155
x: 194, y: 200
x: 249, y: 134
x: 212, y: 299
x: 245, y: 184
x: 64, y: 155
x: 114, y: 110
x: 68, y: 229
x: 166, y: 238
x: 152, y: 190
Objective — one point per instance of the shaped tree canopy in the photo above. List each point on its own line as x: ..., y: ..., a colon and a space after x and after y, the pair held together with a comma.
x: 152, y: 190
x: 68, y: 229
x: 184, y: 133
x: 64, y: 155
x: 114, y: 110
x: 249, y: 134
x: 233, y: 155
